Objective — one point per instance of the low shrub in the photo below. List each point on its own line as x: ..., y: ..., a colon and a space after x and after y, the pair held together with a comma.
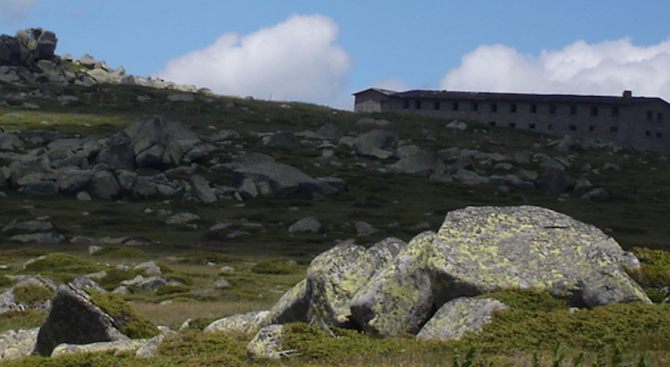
x: 276, y: 266
x: 32, y: 294
x: 61, y: 263
x: 122, y: 252
x: 132, y: 324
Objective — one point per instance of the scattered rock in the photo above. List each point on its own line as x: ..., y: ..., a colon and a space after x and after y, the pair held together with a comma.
x: 309, y: 224
x: 458, y: 317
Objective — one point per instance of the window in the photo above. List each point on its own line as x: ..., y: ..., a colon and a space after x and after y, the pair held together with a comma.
x: 592, y: 128
x: 475, y: 106
x: 573, y: 127
x: 614, y: 129
x: 405, y: 105
x: 417, y: 105
x: 615, y: 111
x: 512, y: 125
x: 659, y: 117
x: 647, y: 134
x: 552, y: 109
x: 659, y: 135
x: 531, y: 126
x: 494, y: 107
x: 573, y: 110
x: 594, y: 111
x: 436, y: 106
x: 492, y: 123
x: 533, y: 108
x: 650, y: 115
x: 454, y: 106
x: 512, y: 108
x: 550, y: 127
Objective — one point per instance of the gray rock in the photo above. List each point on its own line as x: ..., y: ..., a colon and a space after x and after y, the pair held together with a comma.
x: 458, y: 317
x: 10, y: 142
x: 293, y: 306
x: 469, y: 177
x: 225, y: 134
x: 457, y: 125
x: 201, y: 190
x: 398, y: 298
x: 555, y: 181
x: 249, y: 322
x: 421, y: 163
x: 330, y: 132
x: 31, y: 226
x: 90, y: 325
x: 182, y: 218
x: 283, y: 179
x: 309, y: 224
x: 105, y: 186
x: 148, y: 284
x: 512, y: 250
x: 15, y: 344
x: 365, y: 229
x: 117, y: 346
x: 42, y: 238
x: 148, y: 268
x: 283, y: 139
x: 598, y: 194
x: 83, y: 196
x: 72, y: 179
x: 376, y: 140
x: 267, y: 343
x: 153, y: 144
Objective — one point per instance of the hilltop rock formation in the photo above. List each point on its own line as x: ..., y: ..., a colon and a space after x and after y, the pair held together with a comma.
x: 29, y: 57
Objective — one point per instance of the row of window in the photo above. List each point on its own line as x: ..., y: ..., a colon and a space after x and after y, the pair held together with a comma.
x: 513, y: 108
x: 612, y: 129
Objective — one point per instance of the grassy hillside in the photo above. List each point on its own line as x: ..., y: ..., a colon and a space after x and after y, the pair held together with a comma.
x: 268, y: 260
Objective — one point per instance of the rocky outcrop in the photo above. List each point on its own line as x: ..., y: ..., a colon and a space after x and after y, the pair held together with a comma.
x: 267, y: 344
x: 394, y: 288
x: 283, y: 179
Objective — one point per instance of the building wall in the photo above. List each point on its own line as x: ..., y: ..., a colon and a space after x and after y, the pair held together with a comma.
x: 371, y: 101
x: 642, y: 125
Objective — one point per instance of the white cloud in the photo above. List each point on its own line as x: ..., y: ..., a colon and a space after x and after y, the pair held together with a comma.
x: 293, y: 60
x: 14, y: 10
x: 580, y: 68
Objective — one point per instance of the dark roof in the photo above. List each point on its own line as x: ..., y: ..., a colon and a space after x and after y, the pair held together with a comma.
x: 522, y: 97
x: 379, y: 90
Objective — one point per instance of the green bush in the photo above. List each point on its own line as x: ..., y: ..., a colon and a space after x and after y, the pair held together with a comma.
x: 527, y: 299
x: 132, y: 324
x: 275, y: 266
x: 124, y: 252
x: 205, y: 257
x: 32, y: 293
x: 172, y: 289
x: 61, y: 263
x: 114, y: 278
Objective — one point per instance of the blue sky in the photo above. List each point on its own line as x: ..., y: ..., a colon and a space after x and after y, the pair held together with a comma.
x: 322, y: 51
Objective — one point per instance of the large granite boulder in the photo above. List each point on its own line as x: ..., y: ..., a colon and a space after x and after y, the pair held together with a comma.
x: 398, y: 299
x: 378, y: 143
x: 483, y: 249
x: 283, y: 179
x: 81, y: 317
x: 291, y: 307
x: 153, y: 144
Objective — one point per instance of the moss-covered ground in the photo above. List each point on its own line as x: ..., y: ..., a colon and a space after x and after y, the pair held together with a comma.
x: 268, y: 260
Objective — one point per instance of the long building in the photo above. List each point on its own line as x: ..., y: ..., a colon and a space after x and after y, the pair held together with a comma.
x: 639, y: 122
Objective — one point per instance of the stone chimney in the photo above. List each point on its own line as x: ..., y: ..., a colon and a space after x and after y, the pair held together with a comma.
x: 627, y: 94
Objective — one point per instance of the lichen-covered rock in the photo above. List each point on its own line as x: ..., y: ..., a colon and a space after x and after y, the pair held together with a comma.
x: 249, y: 322
x: 398, y: 298
x: 266, y: 343
x: 482, y: 249
x: 457, y: 317
x: 114, y: 346
x: 291, y: 307
x: 334, y: 278
x: 377, y: 142
x: 16, y: 344
x: 153, y: 144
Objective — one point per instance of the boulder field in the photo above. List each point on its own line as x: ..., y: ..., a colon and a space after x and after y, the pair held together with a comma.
x: 428, y: 286
x: 433, y: 286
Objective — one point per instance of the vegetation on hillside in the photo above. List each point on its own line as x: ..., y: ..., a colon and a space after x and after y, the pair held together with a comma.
x: 268, y: 260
